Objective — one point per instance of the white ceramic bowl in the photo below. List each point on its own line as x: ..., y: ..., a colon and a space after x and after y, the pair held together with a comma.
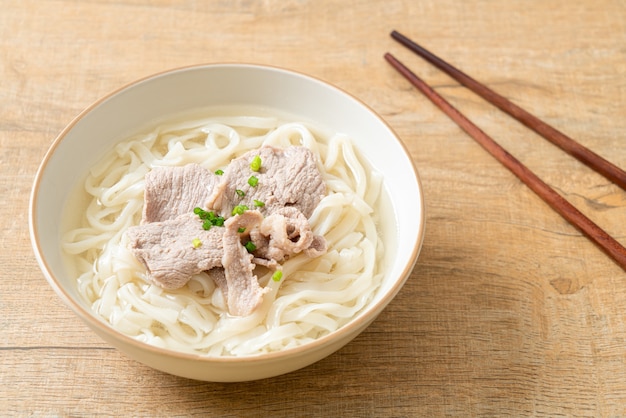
x: 94, y: 131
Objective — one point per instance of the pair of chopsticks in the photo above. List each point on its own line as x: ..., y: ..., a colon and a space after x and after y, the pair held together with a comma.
x: 616, y: 175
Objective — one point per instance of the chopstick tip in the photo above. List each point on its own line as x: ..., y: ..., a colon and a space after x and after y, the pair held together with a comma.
x: 396, y: 35
x: 390, y: 58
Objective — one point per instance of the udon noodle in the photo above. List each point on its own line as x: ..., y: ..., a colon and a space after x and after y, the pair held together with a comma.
x: 315, y: 297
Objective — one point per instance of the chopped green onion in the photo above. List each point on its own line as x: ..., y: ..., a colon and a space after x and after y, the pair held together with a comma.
x: 240, y: 193
x: 253, y: 181
x: 209, y: 218
x: 258, y: 203
x: 219, y: 172
x: 277, y: 275
x: 239, y: 209
x: 255, y: 165
x: 196, y: 243
x: 250, y: 246
x: 241, y: 230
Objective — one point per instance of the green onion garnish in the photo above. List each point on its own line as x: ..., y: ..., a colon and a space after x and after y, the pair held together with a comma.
x: 255, y: 165
x: 258, y: 203
x: 253, y: 181
x: 277, y: 275
x: 209, y: 218
x: 240, y: 193
x: 196, y: 243
x: 219, y: 172
x: 241, y: 230
x: 250, y: 246
x: 239, y: 209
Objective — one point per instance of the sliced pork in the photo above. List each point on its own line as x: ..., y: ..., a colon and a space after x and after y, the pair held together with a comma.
x: 176, y: 249
x: 283, y: 233
x: 173, y: 191
x: 288, y: 177
x: 244, y: 292
x: 173, y: 244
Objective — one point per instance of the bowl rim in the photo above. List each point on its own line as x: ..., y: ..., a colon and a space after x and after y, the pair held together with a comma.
x: 372, y: 310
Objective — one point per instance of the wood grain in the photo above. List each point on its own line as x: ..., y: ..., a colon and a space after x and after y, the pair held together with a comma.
x: 560, y: 205
x: 510, y: 310
x: 583, y: 154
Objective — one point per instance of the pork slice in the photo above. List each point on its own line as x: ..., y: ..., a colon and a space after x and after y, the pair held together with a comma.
x: 318, y: 247
x: 288, y: 177
x: 167, y: 249
x: 172, y: 191
x: 284, y: 233
x: 244, y: 292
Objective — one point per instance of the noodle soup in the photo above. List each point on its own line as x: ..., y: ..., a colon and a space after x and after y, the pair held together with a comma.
x: 315, y: 297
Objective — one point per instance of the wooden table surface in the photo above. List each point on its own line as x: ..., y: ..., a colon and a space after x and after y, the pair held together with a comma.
x: 510, y: 311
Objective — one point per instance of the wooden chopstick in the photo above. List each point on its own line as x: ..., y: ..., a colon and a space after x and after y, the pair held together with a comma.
x: 567, y: 144
x: 596, y: 234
